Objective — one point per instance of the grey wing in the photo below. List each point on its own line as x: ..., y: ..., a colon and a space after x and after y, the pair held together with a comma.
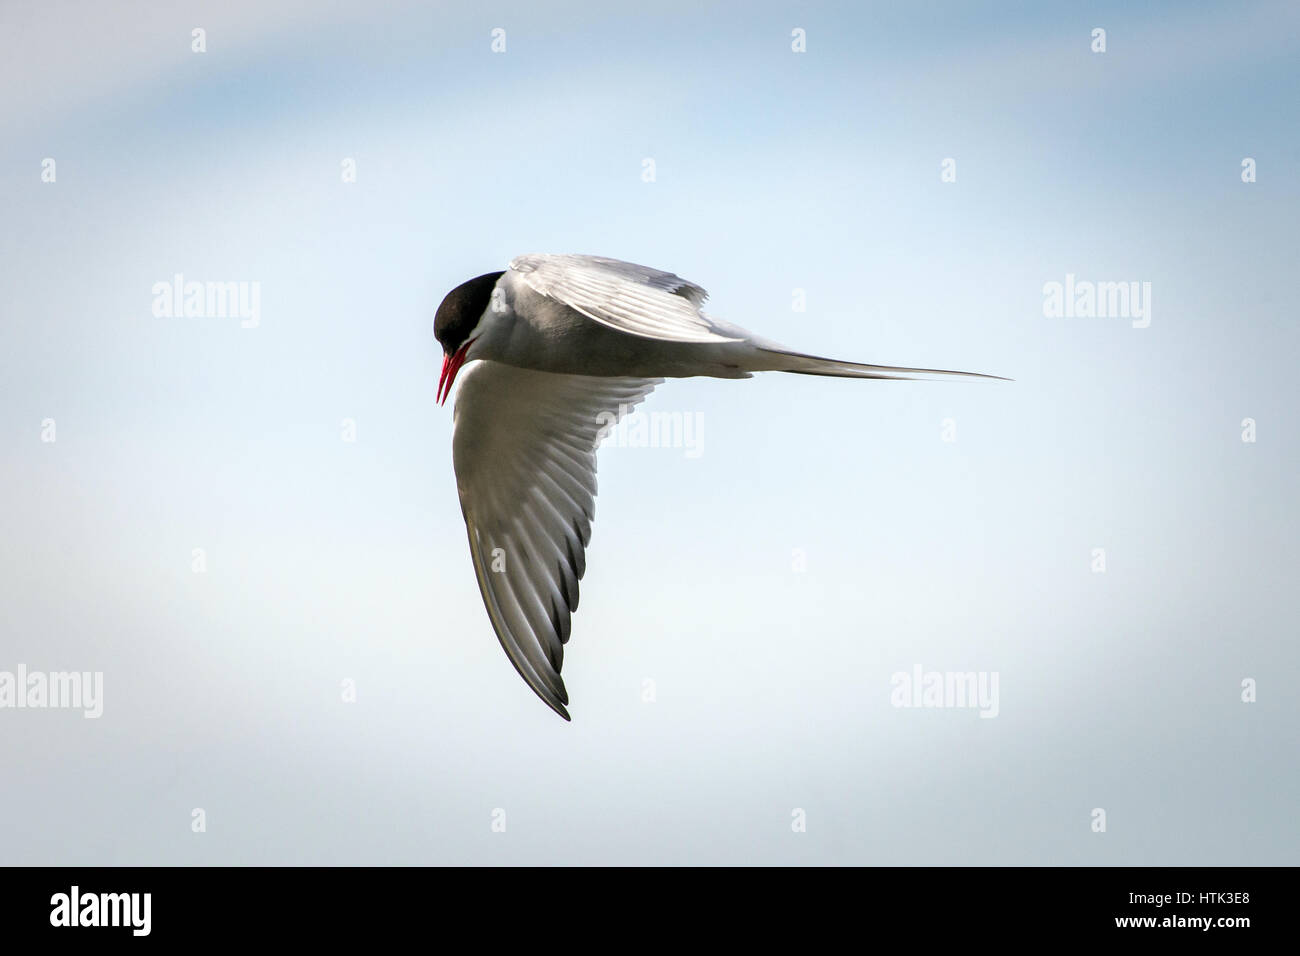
x: 634, y: 299
x: 524, y: 447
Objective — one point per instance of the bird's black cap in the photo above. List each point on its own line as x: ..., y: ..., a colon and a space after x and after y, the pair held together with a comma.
x: 461, y: 310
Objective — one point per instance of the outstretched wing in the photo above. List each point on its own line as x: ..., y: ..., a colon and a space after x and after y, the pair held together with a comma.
x: 634, y: 299
x: 524, y: 446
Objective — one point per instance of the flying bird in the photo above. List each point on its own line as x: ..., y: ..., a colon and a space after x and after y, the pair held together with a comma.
x: 548, y: 354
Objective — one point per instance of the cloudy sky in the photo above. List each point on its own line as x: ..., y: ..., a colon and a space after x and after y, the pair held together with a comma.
x: 182, y: 511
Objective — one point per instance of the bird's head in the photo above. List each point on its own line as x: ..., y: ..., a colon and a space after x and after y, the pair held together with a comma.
x: 457, y: 323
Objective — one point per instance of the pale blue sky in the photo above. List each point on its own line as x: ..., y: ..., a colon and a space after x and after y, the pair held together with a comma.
x: 775, y: 171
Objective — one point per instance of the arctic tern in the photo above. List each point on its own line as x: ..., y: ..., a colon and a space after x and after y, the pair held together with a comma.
x: 553, y: 349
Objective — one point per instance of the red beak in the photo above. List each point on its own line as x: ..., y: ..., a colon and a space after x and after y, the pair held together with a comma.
x: 450, y: 366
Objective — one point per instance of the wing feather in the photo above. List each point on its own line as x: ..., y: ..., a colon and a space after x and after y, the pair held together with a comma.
x: 634, y: 299
x: 524, y: 447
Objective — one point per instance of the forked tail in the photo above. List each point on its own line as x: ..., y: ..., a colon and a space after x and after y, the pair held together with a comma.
x: 801, y: 364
